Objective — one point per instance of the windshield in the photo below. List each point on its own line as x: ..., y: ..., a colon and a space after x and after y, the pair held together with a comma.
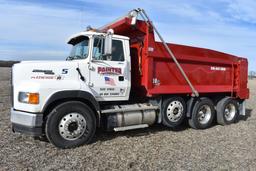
x: 80, y: 48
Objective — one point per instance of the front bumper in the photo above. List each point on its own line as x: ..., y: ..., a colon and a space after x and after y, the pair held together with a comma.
x: 27, y: 123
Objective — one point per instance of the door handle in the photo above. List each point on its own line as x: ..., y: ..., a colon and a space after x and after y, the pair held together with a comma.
x: 121, y: 78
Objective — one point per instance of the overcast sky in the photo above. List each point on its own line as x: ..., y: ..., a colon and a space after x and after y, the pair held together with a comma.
x: 38, y: 29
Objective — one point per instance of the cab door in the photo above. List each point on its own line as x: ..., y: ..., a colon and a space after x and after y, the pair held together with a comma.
x: 110, y: 74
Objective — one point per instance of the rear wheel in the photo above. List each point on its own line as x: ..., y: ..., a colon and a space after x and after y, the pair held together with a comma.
x: 174, y: 111
x: 70, y: 124
x: 202, y: 114
x: 227, y: 111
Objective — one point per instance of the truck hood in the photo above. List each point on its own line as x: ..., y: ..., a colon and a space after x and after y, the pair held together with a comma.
x: 44, y: 77
x: 44, y: 70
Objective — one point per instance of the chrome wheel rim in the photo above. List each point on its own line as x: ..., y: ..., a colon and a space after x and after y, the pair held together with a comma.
x: 174, y: 111
x: 72, y: 126
x: 204, y: 114
x: 230, y: 112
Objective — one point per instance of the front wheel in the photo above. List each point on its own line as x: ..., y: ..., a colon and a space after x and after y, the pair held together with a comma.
x: 70, y: 124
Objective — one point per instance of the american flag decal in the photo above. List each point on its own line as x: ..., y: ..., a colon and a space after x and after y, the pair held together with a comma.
x: 109, y: 81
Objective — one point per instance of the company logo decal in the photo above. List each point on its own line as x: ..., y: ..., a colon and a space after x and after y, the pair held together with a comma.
x: 213, y: 68
x: 55, y: 77
x: 48, y: 72
x: 109, y: 70
x: 110, y: 81
x: 43, y: 77
x: 59, y: 77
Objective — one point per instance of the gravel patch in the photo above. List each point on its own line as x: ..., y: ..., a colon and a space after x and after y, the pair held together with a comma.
x: 156, y: 148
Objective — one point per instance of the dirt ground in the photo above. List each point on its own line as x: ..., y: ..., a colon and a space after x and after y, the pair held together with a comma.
x: 156, y: 148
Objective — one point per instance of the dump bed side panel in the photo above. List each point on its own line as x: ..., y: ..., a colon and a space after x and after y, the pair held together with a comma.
x: 209, y: 71
x: 206, y: 77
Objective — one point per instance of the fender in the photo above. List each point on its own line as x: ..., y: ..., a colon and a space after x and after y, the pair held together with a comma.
x: 190, y: 105
x: 72, y: 94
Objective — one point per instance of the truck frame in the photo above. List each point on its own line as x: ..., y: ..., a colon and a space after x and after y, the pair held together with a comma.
x: 118, y: 77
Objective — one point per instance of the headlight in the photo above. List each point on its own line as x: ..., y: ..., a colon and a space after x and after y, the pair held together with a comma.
x: 31, y: 98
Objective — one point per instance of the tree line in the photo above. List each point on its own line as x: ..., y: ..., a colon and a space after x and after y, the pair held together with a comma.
x: 7, y: 63
x: 252, y: 75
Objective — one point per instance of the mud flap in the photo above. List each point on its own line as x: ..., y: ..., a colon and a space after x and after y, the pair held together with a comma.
x: 242, y: 108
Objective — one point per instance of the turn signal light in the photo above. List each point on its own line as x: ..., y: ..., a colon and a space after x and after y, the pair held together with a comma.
x: 31, y: 98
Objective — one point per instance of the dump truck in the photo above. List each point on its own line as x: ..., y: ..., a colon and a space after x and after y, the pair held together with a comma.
x: 119, y: 77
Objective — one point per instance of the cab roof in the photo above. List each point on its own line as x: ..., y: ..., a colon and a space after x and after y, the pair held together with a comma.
x: 90, y: 33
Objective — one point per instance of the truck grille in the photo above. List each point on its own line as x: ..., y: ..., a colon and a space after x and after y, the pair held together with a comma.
x: 11, y: 91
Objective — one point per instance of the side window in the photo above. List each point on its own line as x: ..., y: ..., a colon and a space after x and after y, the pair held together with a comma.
x: 117, y: 50
x: 98, y: 50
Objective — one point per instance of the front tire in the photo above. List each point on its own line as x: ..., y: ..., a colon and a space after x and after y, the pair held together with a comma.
x: 174, y: 111
x: 70, y: 124
x: 202, y: 114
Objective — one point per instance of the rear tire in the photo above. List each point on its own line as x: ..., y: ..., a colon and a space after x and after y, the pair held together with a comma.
x: 174, y: 111
x: 227, y: 111
x: 71, y: 124
x: 202, y: 114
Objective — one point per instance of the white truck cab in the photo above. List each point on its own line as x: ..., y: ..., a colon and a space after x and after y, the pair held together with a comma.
x: 91, y: 74
x: 88, y: 69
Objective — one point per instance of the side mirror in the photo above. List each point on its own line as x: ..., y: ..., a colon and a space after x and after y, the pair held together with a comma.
x: 108, y: 42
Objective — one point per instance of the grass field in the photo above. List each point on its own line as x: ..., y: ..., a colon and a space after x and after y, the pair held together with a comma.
x: 230, y: 147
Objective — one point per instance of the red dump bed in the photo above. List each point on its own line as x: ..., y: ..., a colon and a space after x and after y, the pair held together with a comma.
x: 154, y: 72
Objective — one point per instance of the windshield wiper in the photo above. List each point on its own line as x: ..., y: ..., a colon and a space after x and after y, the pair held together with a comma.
x: 70, y: 58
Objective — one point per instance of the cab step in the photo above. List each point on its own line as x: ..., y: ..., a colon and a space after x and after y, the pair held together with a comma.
x: 130, y: 127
